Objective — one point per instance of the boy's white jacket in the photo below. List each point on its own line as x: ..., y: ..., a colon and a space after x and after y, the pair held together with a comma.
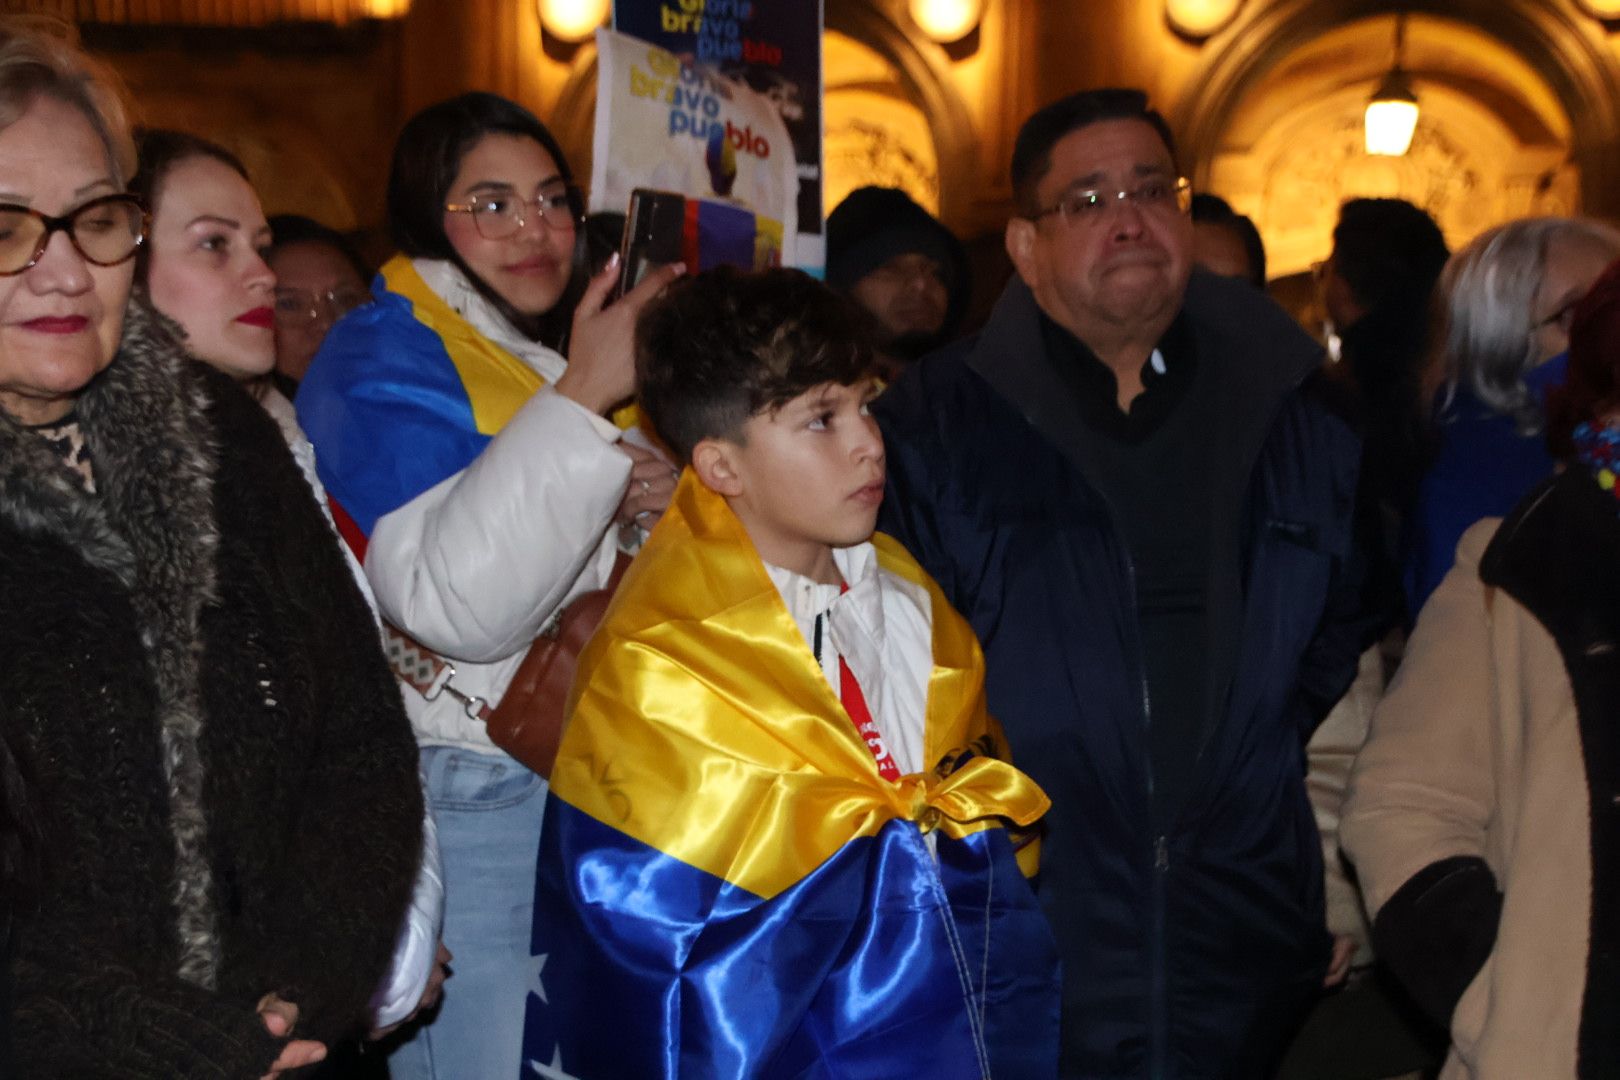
x: 882, y: 627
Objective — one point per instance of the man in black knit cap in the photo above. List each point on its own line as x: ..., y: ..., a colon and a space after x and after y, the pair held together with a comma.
x: 903, y: 266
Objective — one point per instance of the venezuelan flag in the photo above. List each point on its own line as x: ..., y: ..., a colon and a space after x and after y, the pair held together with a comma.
x: 727, y: 887
x: 404, y: 394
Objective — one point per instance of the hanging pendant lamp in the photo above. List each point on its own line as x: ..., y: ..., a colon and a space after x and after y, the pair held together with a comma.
x: 1392, y: 114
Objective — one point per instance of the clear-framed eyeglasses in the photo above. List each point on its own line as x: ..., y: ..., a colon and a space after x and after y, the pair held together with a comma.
x: 498, y: 216
x: 297, y: 307
x: 105, y: 231
x: 1082, y: 205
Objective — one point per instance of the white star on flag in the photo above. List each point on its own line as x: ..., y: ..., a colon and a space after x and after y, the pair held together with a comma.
x: 553, y: 1071
x: 536, y: 987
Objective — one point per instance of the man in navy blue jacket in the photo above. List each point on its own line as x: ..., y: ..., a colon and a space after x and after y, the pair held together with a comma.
x: 1136, y: 488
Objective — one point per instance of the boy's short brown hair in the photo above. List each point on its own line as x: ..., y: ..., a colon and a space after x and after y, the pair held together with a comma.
x: 725, y: 345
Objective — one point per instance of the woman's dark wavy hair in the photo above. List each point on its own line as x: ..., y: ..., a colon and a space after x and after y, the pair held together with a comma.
x: 427, y: 157
x: 1592, y: 386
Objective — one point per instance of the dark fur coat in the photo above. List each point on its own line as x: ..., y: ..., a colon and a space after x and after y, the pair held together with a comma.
x: 217, y: 763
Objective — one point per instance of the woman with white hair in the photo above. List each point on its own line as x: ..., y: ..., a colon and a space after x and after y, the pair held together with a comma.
x: 1506, y: 302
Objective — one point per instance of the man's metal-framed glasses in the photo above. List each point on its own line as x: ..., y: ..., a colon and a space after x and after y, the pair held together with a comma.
x: 105, y: 231
x: 1092, y: 204
x: 295, y: 307
x: 498, y: 216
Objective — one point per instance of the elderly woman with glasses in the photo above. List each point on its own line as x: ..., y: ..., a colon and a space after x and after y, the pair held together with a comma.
x: 211, y: 816
x: 460, y: 422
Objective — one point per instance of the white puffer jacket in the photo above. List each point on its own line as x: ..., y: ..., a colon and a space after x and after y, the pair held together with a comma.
x: 474, y: 566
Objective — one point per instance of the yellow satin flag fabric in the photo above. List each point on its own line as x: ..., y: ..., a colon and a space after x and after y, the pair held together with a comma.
x: 701, y: 725
x: 497, y: 382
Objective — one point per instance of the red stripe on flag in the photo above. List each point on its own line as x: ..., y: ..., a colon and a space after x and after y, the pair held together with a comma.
x: 347, y: 529
x: 690, y: 248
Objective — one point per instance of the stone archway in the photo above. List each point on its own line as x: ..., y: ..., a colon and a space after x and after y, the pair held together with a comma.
x: 922, y: 68
x: 1559, y: 43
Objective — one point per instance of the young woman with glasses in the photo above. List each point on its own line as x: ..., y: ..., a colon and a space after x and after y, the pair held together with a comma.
x: 461, y: 422
x: 209, y: 813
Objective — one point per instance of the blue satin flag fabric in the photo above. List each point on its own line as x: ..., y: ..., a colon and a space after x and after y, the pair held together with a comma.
x: 879, y: 963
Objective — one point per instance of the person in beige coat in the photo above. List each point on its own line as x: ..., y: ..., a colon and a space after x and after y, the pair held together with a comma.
x: 1484, y: 812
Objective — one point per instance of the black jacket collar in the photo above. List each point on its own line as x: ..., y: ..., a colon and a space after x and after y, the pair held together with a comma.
x: 1253, y: 344
x: 1558, y: 554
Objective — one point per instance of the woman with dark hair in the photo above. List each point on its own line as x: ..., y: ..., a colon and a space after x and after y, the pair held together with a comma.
x: 204, y: 268
x: 461, y: 427
x: 320, y: 277
x: 209, y: 750
x: 1484, y: 811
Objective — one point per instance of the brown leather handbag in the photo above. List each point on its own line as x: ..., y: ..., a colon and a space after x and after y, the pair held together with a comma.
x: 528, y: 721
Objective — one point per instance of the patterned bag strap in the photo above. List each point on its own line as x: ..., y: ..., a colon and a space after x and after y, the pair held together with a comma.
x: 426, y: 672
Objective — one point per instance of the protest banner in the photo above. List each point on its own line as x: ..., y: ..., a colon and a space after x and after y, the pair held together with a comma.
x: 774, y: 46
x: 677, y: 125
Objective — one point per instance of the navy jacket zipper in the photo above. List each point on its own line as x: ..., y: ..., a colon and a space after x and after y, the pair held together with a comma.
x: 1158, y: 994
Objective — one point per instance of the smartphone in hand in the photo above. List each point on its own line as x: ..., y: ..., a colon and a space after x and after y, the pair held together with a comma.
x: 654, y: 231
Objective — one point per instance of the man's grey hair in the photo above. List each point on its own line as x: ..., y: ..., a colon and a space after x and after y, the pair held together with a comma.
x: 1487, y: 292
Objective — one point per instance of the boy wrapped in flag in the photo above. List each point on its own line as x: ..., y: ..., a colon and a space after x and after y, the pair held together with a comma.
x: 783, y: 838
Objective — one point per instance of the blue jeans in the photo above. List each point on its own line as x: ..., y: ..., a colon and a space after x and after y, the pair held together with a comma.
x: 488, y: 809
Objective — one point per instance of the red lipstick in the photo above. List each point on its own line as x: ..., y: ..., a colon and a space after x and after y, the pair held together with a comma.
x: 260, y: 316
x: 57, y: 324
